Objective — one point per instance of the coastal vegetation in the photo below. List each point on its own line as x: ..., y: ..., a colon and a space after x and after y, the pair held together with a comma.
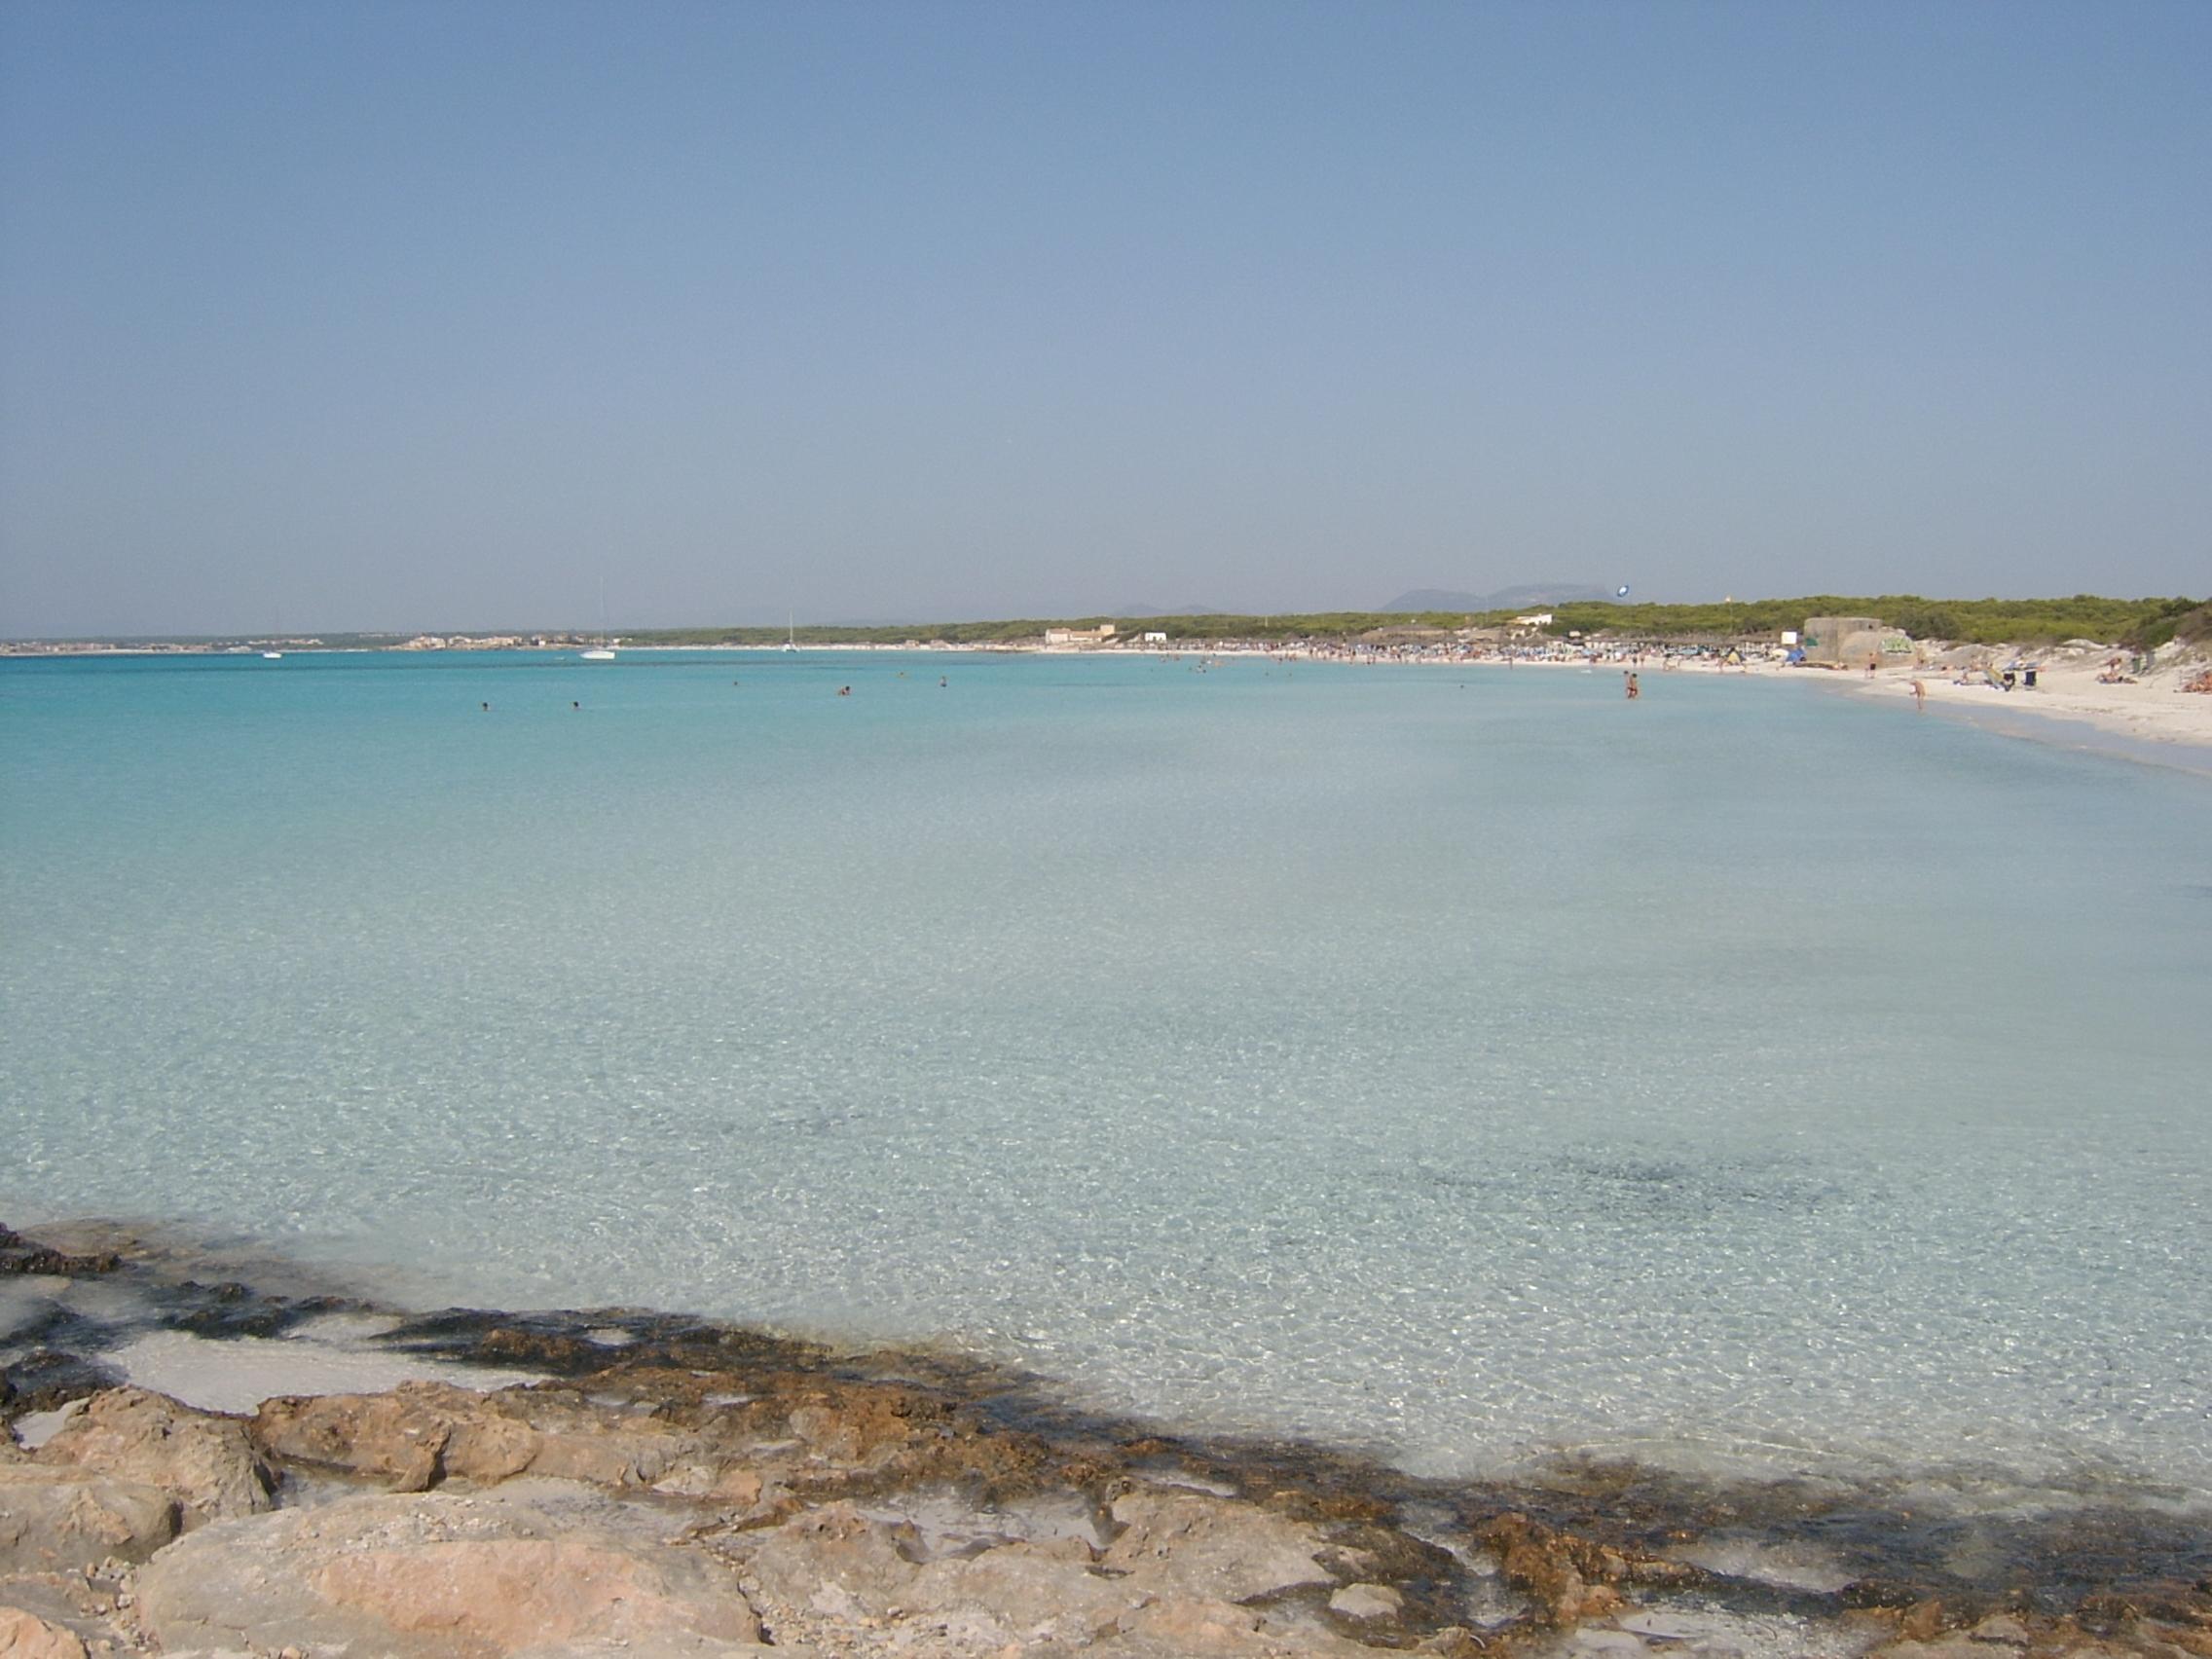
x: 2142, y: 624
x: 2139, y: 624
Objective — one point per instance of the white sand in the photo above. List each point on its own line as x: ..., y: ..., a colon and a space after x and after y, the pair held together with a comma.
x: 332, y: 1355
x: 2154, y: 710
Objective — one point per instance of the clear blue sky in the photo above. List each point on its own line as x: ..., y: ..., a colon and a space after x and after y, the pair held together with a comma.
x: 395, y: 315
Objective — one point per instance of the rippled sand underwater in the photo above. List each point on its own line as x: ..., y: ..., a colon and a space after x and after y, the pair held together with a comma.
x: 1466, y: 1066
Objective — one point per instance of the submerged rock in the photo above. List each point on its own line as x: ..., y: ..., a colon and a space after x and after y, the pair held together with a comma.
x: 21, y: 1255
x: 46, y: 1378
x: 1570, y: 1578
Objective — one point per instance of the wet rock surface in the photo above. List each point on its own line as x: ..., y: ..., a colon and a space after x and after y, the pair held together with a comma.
x: 676, y: 1486
x: 21, y: 1255
x: 45, y: 1379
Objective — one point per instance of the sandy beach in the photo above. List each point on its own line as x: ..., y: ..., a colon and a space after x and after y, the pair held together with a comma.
x: 2152, y: 708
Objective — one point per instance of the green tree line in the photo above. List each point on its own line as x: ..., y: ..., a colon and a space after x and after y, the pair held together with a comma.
x: 2141, y: 624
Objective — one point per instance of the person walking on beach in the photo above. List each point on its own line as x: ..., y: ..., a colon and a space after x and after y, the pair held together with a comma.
x: 1869, y: 667
x: 1919, y: 697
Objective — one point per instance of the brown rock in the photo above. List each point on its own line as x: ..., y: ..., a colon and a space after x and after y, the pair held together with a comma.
x: 2002, y: 1628
x: 1555, y: 1567
x: 577, y: 1446
x: 422, y: 1433
x: 1922, y: 1621
x: 398, y: 1437
x: 664, y: 1647
x: 1193, y: 1624
x: 205, y: 1461
x: 21, y: 1255
x: 511, y: 1593
x: 435, y: 1577
x: 52, y: 1519
x: 1191, y: 1544
x: 25, y: 1635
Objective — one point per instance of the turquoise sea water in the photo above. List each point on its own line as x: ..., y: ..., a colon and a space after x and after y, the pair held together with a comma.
x: 1464, y: 1064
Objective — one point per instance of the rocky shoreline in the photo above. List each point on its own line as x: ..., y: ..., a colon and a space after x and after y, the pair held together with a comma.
x: 668, y: 1486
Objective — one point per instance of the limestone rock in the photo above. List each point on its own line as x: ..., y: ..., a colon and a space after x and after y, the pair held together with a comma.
x: 833, y: 1564
x: 1193, y: 1544
x: 205, y: 1461
x: 422, y: 1433
x: 52, y: 1519
x: 435, y: 1577
x: 1367, y: 1601
x: 400, y: 1438
x: 1033, y: 1593
x: 665, y: 1648
x: 25, y: 1635
x: 837, y: 1561
x: 1196, y: 1625
x: 581, y: 1442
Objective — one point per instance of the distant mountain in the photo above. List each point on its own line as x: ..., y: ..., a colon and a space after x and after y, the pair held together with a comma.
x: 1504, y: 599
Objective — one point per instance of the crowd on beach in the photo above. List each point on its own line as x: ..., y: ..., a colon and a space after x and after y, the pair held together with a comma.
x: 2121, y: 692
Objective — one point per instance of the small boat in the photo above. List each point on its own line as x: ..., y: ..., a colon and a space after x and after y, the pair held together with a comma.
x: 790, y: 633
x: 604, y: 651
x: 271, y: 656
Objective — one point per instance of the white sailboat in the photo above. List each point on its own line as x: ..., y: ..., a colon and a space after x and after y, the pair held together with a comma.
x: 604, y: 651
x: 790, y: 632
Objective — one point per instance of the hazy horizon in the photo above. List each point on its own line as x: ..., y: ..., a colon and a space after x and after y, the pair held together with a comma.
x: 410, y: 316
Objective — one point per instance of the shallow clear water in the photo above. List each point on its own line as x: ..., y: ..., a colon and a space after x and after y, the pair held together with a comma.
x: 1461, y: 1063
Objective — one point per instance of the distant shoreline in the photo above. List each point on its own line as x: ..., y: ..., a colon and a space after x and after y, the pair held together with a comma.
x: 2148, y: 711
